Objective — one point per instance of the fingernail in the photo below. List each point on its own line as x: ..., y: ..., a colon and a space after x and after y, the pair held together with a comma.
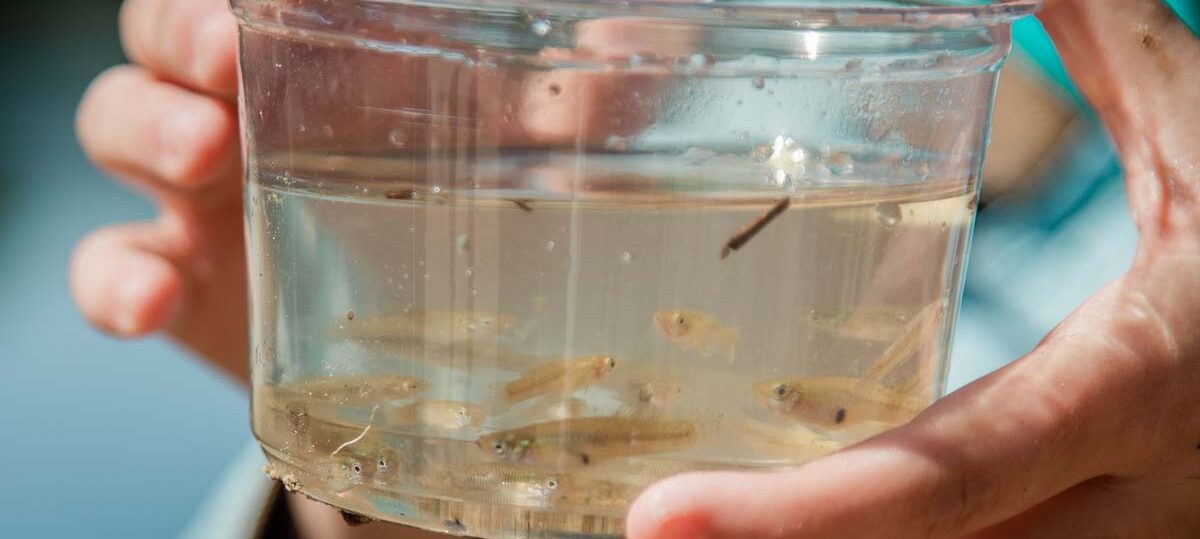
x: 684, y: 527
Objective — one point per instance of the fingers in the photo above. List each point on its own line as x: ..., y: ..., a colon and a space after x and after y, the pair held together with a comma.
x: 978, y: 457
x: 192, y: 42
x: 156, y: 133
x: 1108, y: 507
x: 121, y: 281
x: 1135, y: 62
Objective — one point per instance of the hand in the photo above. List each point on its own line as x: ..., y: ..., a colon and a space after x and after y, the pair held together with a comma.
x: 1096, y: 433
x: 167, y: 127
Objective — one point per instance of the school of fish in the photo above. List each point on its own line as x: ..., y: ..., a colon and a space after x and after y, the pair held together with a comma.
x: 563, y: 432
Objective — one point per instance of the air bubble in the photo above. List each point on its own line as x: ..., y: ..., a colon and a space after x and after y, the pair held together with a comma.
x: 761, y: 153
x: 468, y: 272
x: 626, y: 258
x: 550, y: 246
x: 540, y: 27
x: 436, y: 189
x: 616, y: 143
x: 398, y: 138
x: 696, y: 155
x: 841, y: 163
x: 888, y: 214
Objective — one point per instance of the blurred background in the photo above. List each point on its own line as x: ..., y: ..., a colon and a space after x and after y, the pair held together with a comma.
x: 124, y: 439
x: 102, y: 438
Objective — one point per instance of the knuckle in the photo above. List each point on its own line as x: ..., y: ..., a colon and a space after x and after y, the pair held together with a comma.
x: 206, y: 141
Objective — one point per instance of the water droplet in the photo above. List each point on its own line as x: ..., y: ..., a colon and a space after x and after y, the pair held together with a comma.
x: 697, y: 155
x: 761, y: 153
x: 888, y: 214
x: 398, y: 138
x: 841, y: 163
x: 436, y: 189
x: 782, y: 178
x: 758, y: 82
x: 626, y: 258
x: 550, y: 246
x: 540, y: 27
x: 468, y: 272
x: 923, y: 171
x: 616, y: 143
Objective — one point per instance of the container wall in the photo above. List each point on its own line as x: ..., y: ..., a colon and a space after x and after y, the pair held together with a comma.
x: 508, y: 268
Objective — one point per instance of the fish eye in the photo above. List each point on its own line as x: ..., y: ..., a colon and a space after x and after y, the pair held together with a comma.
x: 500, y: 447
x: 356, y: 467
x: 679, y: 320
x: 551, y: 483
x: 780, y: 391
x: 382, y: 463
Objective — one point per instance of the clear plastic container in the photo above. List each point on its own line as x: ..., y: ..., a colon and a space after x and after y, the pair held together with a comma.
x: 513, y: 261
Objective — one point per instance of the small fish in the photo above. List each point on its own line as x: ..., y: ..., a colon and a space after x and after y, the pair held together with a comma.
x: 446, y: 415
x: 559, y: 377
x: 500, y: 478
x: 694, y: 330
x: 798, y: 443
x: 584, y: 441
x: 866, y: 323
x: 358, y: 390
x: 918, y: 331
x: 836, y: 403
x: 369, y: 461
x: 439, y: 327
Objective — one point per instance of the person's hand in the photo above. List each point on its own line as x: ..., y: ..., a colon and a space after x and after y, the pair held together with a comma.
x: 167, y: 126
x: 1096, y: 433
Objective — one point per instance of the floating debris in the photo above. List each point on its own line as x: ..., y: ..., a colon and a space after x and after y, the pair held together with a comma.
x: 738, y: 240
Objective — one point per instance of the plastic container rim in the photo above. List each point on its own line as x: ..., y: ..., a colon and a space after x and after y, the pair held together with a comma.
x: 917, y: 16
